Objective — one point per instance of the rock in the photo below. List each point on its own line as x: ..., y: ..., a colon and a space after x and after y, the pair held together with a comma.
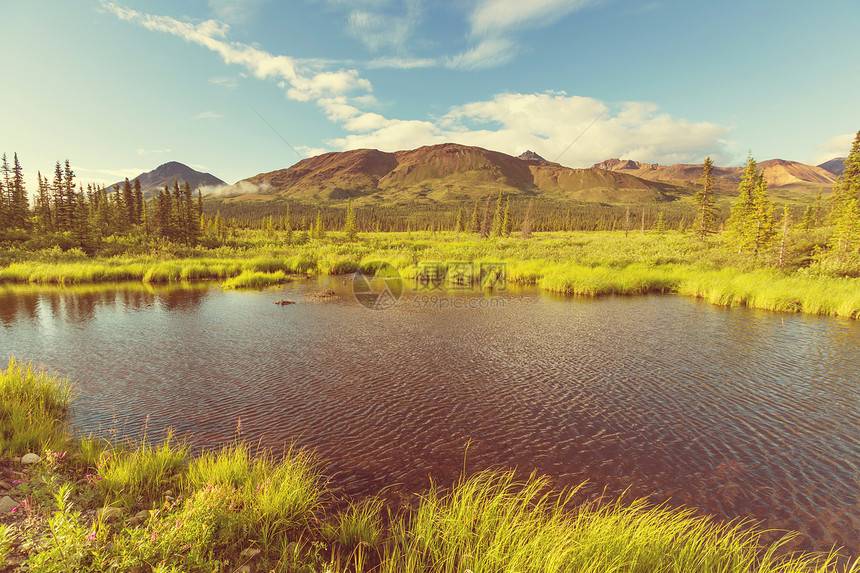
x: 16, y: 460
x: 284, y: 302
x: 28, y: 459
x: 139, y: 517
x: 109, y: 514
x: 168, y: 492
x: 249, y: 553
x: 328, y: 293
x: 243, y: 569
x: 7, y: 504
x: 4, y: 485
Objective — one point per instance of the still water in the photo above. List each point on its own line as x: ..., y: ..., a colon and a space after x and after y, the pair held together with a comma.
x: 737, y: 412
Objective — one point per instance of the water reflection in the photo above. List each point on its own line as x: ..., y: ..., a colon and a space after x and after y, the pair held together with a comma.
x: 741, y: 413
x: 80, y: 303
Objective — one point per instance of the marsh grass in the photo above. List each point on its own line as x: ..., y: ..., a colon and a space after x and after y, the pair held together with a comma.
x: 254, y: 279
x: 33, y: 405
x: 582, y: 263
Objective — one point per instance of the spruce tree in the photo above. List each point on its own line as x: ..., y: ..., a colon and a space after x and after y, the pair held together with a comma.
x: 506, y: 219
x: 845, y: 216
x: 526, y: 230
x: 349, y: 228
x: 741, y: 223
x: 705, y: 204
x: 497, y: 218
x: 485, y: 223
x: 459, y: 224
x: 137, y: 216
x: 475, y: 224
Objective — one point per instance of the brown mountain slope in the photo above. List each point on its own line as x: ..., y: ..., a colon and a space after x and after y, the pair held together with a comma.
x: 779, y: 174
x: 835, y: 166
x: 451, y: 172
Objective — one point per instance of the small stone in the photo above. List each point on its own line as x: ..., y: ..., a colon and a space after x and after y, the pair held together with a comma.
x: 284, y: 302
x: 168, y: 492
x: 249, y: 553
x: 7, y: 504
x: 109, y: 514
x: 243, y: 569
x: 28, y: 459
x: 139, y: 517
x: 4, y: 485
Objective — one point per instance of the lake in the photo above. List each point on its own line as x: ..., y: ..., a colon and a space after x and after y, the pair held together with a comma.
x: 737, y: 412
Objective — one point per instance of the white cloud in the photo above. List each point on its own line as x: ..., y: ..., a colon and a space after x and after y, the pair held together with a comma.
x: 239, y: 188
x: 489, y: 53
x: 225, y: 82
x: 141, y: 151
x: 838, y: 146
x: 401, y: 63
x: 301, y: 84
x: 494, y: 24
x: 547, y: 123
x: 208, y: 115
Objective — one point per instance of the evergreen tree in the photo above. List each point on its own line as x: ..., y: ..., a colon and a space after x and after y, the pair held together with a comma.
x: 661, y: 225
x: 474, y: 225
x: 43, y: 205
x: 785, y: 240
x: 627, y: 221
x: 128, y: 203
x: 319, y: 230
x: 137, y: 215
x: 459, y: 223
x: 705, y: 204
x: 845, y: 216
x: 497, y: 218
x: 485, y: 223
x: 349, y: 227
x: 762, y: 227
x: 506, y: 220
x: 526, y: 230
x: 740, y: 227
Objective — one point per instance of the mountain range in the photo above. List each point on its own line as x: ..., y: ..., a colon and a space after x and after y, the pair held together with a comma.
x: 452, y: 172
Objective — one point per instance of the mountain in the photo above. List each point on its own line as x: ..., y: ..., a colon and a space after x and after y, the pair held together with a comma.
x: 154, y: 181
x: 449, y: 172
x: 834, y: 166
x: 530, y: 155
x: 780, y: 174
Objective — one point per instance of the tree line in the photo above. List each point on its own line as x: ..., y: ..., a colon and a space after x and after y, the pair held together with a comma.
x: 66, y: 213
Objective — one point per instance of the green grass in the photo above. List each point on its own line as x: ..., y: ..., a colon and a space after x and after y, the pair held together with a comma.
x: 33, y: 405
x: 582, y: 263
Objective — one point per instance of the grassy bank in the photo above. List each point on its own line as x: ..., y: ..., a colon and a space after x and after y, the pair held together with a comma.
x: 93, y: 506
x: 581, y: 263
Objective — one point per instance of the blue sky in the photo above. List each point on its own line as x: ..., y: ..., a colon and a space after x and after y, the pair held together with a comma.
x: 240, y: 87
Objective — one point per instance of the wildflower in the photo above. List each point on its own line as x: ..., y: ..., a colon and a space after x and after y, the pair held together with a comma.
x: 16, y: 481
x: 154, y: 535
x: 91, y: 536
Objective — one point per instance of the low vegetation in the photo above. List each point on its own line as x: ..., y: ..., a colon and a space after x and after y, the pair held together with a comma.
x: 90, y: 505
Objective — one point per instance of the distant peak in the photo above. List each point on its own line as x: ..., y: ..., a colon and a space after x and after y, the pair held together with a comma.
x: 530, y: 155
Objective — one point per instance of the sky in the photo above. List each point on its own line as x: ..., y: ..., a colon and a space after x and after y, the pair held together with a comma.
x: 241, y: 87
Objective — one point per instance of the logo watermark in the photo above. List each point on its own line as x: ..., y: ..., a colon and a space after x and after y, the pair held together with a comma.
x: 377, y: 285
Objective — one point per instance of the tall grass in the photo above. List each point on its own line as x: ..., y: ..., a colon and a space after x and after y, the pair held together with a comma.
x: 254, y: 279
x: 33, y: 405
x: 492, y: 523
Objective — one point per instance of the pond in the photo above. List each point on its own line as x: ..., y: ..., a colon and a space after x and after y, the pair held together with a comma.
x: 737, y: 412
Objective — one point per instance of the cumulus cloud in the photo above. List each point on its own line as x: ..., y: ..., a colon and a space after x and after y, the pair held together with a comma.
x: 301, y: 84
x: 547, y: 123
x: 494, y: 24
x: 833, y: 148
